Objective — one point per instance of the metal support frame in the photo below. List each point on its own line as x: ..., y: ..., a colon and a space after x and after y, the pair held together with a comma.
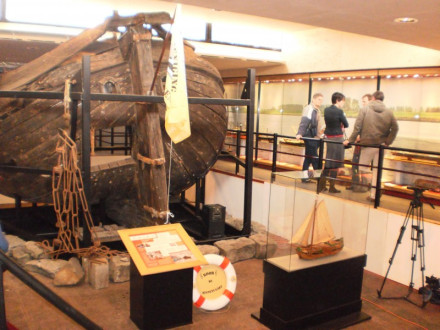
x: 250, y: 95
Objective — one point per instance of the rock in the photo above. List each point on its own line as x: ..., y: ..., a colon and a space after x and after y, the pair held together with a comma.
x: 86, y: 268
x: 20, y: 255
x: 258, y: 228
x: 70, y: 274
x: 35, y: 250
x: 208, y: 249
x: 236, y: 250
x: 46, y: 267
x: 119, y: 268
x: 234, y: 223
x: 263, y: 244
x: 14, y: 241
x: 99, y: 273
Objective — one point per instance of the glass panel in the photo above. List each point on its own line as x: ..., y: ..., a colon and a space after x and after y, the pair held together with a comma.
x: 331, y: 219
x: 281, y: 106
x: 353, y: 89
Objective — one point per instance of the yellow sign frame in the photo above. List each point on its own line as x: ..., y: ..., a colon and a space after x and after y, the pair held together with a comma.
x: 136, y: 241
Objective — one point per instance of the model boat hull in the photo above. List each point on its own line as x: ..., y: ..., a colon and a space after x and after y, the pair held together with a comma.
x: 320, y: 250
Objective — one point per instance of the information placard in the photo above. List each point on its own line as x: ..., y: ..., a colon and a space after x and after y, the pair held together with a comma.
x: 159, y: 249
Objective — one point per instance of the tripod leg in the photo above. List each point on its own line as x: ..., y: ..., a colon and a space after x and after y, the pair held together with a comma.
x: 409, y: 214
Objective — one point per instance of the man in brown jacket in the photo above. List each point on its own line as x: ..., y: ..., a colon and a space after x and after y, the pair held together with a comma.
x: 375, y: 125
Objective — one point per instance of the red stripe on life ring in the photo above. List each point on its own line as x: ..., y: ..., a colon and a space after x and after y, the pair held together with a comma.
x: 228, y: 294
x: 224, y: 263
x: 199, y: 301
x: 197, y: 269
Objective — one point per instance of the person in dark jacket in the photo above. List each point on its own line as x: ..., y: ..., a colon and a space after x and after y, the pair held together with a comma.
x: 335, y: 124
x: 357, y: 151
x: 376, y: 125
x: 309, y: 127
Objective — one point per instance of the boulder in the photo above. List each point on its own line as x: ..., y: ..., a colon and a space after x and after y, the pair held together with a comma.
x: 35, y: 250
x: 264, y: 247
x: 208, y: 249
x: 46, y: 267
x: 119, y: 268
x: 14, y: 241
x: 237, y: 249
x: 99, y: 273
x: 20, y: 254
x: 70, y: 274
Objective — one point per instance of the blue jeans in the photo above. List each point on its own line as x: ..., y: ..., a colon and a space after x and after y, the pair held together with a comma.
x: 311, y: 154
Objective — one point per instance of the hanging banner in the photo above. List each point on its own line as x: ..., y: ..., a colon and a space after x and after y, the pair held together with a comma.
x: 176, y: 97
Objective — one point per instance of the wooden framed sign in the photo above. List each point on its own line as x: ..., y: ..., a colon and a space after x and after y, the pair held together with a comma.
x: 160, y: 249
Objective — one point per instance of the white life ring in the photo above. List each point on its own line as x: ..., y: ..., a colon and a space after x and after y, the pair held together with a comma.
x: 214, y: 284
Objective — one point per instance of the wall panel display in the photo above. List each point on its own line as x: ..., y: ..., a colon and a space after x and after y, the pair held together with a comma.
x: 413, y: 97
x: 352, y: 88
x: 281, y: 105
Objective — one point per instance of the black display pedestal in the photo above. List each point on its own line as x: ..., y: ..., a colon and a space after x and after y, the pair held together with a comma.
x: 160, y: 301
x: 327, y: 295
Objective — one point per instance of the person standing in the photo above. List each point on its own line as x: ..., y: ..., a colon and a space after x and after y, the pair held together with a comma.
x: 335, y: 124
x: 309, y: 127
x: 357, y: 149
x: 377, y: 126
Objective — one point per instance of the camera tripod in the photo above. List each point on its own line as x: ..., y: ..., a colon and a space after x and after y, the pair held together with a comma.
x: 415, y: 214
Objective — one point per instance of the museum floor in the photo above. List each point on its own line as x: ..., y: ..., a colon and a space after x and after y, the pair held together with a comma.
x: 109, y: 307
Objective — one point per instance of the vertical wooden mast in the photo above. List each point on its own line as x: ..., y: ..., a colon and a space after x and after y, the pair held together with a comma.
x: 147, y: 147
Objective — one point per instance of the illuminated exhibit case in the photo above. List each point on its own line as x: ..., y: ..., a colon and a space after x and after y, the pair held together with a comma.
x: 315, y: 276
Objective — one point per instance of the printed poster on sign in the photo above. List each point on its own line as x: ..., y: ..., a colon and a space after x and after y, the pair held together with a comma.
x: 161, y: 248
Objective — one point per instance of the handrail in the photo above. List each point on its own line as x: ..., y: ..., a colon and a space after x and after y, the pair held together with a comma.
x: 42, y: 290
x: 380, y: 168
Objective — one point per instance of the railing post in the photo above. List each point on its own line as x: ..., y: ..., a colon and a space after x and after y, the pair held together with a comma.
x: 321, y: 153
x: 379, y: 176
x: 85, y: 140
x: 256, y: 145
x: 274, y: 152
x: 237, y: 150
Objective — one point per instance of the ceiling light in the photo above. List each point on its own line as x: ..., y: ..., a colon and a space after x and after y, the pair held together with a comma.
x: 405, y: 75
x: 388, y: 76
x: 372, y: 77
x: 399, y: 75
x: 416, y: 75
x: 406, y: 20
x: 363, y: 77
x: 347, y: 78
x: 300, y: 79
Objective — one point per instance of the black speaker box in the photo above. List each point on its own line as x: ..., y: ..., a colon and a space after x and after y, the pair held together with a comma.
x: 213, y: 216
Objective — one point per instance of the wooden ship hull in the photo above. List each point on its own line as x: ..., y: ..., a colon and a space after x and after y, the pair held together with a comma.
x: 320, y: 250
x: 29, y: 127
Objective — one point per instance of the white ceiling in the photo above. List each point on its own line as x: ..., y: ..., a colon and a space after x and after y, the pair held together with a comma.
x: 367, y: 17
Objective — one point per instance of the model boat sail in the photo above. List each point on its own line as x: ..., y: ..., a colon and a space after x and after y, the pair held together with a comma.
x: 315, y: 238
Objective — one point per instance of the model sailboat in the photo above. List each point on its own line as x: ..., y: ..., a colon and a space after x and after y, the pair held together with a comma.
x: 315, y: 238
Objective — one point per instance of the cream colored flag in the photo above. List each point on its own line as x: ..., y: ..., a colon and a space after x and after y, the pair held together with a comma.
x: 176, y: 97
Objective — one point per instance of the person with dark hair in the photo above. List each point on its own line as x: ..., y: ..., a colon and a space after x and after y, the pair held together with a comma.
x: 309, y: 127
x: 335, y: 124
x: 376, y: 125
x: 357, y: 150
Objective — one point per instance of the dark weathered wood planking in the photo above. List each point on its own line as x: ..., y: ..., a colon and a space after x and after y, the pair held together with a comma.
x: 28, y: 133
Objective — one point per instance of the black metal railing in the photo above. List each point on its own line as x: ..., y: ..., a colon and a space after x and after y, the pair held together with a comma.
x: 274, y: 138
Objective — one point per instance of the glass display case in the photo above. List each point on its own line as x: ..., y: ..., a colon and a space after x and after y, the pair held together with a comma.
x: 315, y: 275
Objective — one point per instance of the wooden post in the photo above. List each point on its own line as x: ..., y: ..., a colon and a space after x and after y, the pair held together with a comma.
x: 148, y: 146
